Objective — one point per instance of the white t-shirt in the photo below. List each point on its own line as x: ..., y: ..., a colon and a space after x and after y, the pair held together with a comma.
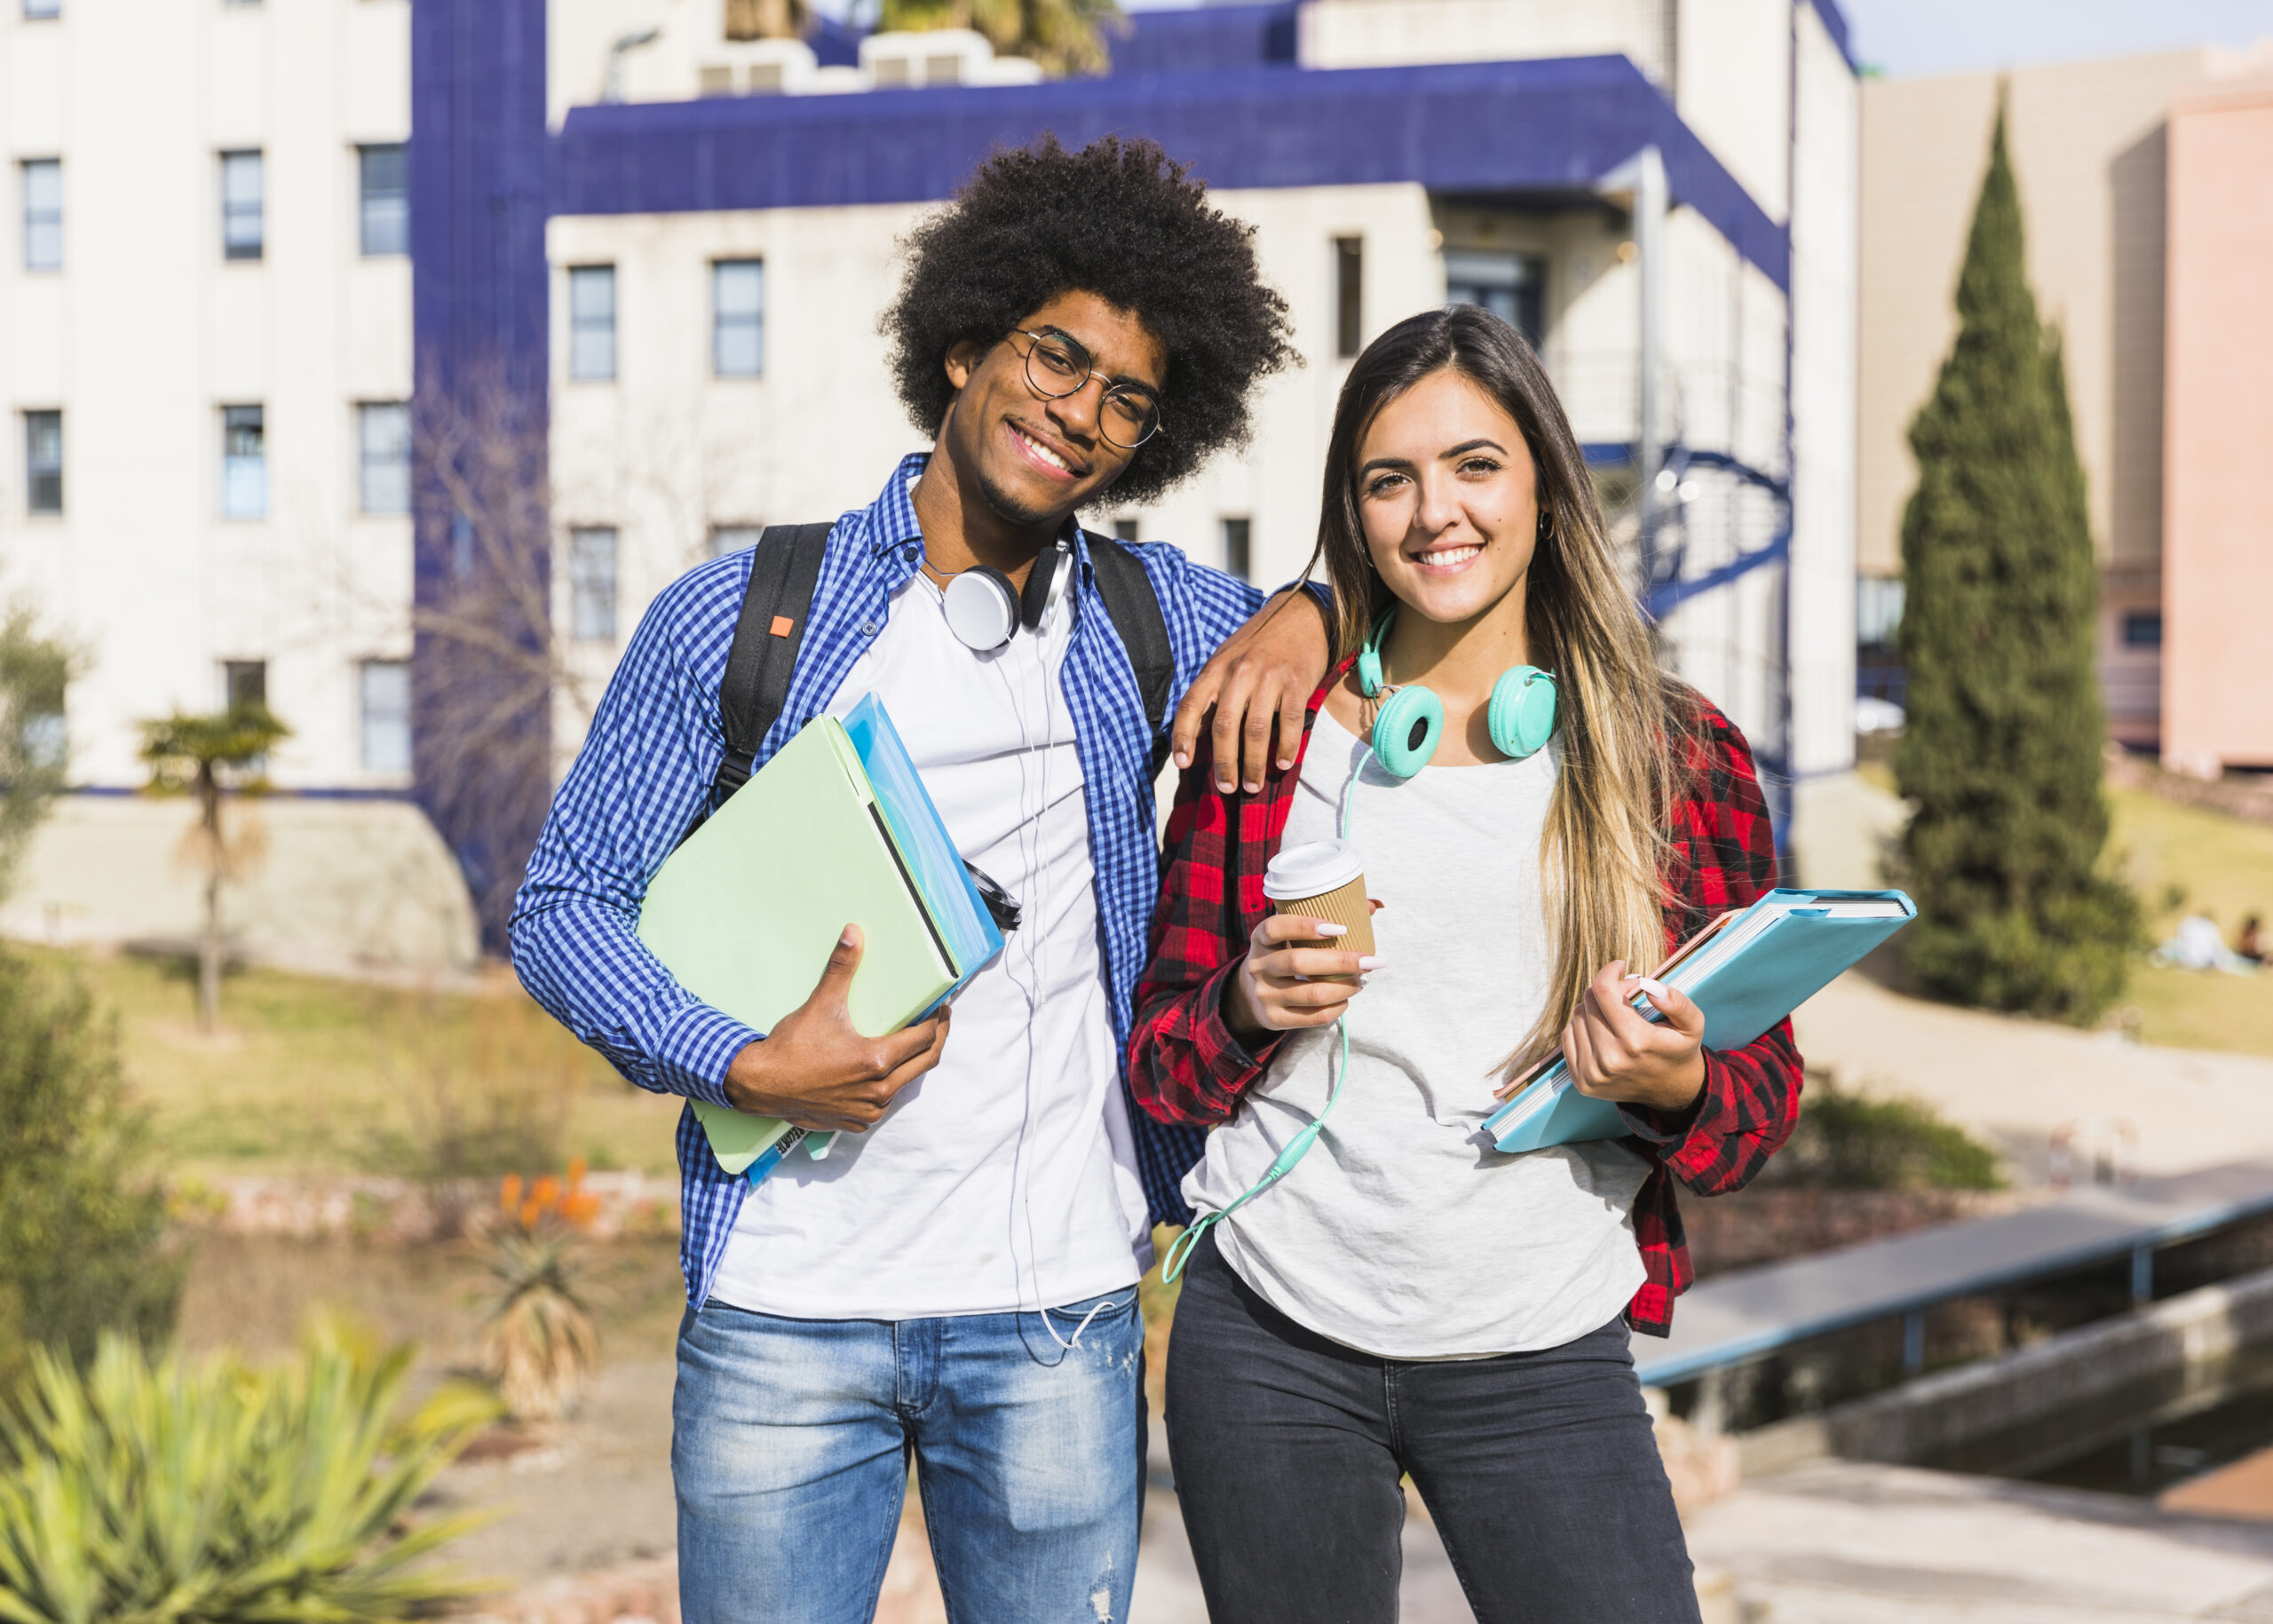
x: 1402, y: 1232
x: 1004, y: 1178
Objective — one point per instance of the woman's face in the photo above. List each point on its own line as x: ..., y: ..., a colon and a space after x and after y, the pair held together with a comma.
x: 1447, y: 492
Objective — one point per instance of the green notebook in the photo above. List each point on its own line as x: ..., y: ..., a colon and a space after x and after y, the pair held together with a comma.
x: 746, y: 913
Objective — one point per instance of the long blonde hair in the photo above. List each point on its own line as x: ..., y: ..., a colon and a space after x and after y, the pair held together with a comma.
x: 1619, y: 714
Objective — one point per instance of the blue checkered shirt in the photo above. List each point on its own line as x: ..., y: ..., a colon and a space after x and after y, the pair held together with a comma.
x: 646, y: 768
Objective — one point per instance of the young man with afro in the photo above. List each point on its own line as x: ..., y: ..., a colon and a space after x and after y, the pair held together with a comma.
x: 954, y: 1282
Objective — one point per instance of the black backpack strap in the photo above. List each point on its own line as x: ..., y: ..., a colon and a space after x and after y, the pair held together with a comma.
x: 1135, y: 611
x: 784, y: 570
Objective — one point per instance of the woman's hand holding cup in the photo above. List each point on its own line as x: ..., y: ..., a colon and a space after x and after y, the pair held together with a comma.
x: 1288, y: 981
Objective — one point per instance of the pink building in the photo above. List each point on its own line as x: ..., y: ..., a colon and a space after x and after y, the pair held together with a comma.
x: 2147, y: 186
x: 2217, y: 644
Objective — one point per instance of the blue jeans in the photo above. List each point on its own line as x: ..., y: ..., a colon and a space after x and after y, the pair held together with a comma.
x: 791, y: 1438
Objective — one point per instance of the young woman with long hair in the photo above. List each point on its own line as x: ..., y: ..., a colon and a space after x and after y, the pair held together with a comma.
x: 1380, y: 1292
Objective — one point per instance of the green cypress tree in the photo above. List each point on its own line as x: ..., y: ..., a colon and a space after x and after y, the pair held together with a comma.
x: 2001, y: 751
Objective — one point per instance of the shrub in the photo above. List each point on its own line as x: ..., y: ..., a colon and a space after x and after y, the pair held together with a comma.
x: 1846, y: 1141
x: 219, y: 1493
x: 539, y: 1342
x: 82, y: 1242
x: 33, y: 675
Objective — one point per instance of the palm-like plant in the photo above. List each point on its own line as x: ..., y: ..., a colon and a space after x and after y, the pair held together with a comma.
x: 212, y: 1493
x: 539, y: 1342
x: 204, y: 755
x: 1066, y: 36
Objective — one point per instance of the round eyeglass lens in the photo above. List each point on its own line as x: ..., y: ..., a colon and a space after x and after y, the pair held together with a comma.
x: 1128, y: 418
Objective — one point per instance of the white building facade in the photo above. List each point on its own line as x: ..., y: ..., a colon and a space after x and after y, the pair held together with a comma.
x: 676, y: 246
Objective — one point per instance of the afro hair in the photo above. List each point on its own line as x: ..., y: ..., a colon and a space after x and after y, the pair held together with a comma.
x: 1117, y: 219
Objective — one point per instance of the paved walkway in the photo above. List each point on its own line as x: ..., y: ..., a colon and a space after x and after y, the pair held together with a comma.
x: 1838, y: 1543
x: 2012, y: 1082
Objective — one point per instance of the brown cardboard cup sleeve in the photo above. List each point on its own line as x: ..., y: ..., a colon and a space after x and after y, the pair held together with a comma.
x: 1323, y: 880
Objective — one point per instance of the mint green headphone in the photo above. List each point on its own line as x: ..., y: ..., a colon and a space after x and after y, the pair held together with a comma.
x: 1521, y: 715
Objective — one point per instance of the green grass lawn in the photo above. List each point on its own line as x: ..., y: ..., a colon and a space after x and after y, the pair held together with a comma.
x: 2215, y: 864
x: 2200, y: 860
x: 314, y: 1075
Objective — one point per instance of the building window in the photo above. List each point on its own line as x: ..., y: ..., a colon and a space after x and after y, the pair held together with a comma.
x: 1510, y: 286
x: 733, y: 538
x: 2143, y: 628
x: 244, y: 462
x: 592, y: 322
x: 1348, y: 296
x: 42, y: 11
x: 1878, y: 610
x: 43, y: 462
x: 383, y: 180
x: 43, y: 214
x: 242, y: 225
x: 1124, y: 529
x: 1235, y: 547
x: 383, y: 440
x: 738, y: 317
x: 385, y: 694
x: 244, y: 685
x: 591, y: 585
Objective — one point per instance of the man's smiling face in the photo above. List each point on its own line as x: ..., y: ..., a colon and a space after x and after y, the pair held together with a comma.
x: 1033, y: 459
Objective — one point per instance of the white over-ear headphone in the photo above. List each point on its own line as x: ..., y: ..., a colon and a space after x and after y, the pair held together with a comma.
x: 984, y: 611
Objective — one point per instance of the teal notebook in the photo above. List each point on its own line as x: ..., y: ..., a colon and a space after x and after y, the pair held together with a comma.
x: 1746, y: 971
x: 835, y: 829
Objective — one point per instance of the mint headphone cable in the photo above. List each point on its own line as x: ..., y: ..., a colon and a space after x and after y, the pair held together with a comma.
x: 1180, y: 1252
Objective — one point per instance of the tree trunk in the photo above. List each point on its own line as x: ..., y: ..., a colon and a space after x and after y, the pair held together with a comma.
x: 209, y: 947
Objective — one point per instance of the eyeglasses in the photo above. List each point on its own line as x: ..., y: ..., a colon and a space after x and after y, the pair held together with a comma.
x: 1057, y: 366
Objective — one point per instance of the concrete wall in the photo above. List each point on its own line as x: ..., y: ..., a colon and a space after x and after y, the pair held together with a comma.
x: 2218, y: 514
x: 147, y: 331
x: 2089, y: 142
x: 1824, y: 249
x: 1384, y: 33
x: 342, y: 887
x: 2184, y: 1342
x: 2087, y: 150
x: 666, y: 452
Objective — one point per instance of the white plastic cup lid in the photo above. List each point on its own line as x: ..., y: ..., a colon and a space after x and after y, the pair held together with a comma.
x: 1311, y: 870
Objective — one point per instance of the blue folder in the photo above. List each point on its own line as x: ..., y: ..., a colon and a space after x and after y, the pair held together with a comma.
x: 935, y: 871
x: 1746, y: 971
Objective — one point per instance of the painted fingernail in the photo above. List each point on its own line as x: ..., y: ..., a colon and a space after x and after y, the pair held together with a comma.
x: 1325, y: 928
x: 1653, y: 986
x: 1370, y: 962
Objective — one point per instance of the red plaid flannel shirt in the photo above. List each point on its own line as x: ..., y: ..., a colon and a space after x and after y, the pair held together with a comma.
x: 1185, y: 1064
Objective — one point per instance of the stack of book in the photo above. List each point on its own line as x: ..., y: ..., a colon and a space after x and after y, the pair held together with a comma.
x: 836, y: 828
x: 1746, y: 971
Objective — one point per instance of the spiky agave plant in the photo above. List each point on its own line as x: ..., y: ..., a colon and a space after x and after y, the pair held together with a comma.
x: 217, y: 1493
x: 539, y: 1342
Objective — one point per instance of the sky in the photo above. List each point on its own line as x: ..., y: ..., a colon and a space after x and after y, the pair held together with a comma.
x: 1908, y: 39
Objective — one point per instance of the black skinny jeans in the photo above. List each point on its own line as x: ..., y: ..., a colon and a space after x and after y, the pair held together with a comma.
x: 1540, y: 1471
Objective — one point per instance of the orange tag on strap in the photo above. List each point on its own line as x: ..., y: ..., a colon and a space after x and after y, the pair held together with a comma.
x: 781, y: 624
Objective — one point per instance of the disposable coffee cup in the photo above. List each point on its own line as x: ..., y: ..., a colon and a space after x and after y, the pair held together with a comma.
x: 1323, y: 880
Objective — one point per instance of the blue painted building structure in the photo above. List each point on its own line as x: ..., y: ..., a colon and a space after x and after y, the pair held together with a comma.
x: 1224, y: 89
